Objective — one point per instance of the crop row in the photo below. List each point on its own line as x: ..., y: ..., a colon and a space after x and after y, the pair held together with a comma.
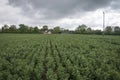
x: 59, y: 57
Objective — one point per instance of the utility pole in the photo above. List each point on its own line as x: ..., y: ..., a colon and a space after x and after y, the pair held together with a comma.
x: 103, y: 23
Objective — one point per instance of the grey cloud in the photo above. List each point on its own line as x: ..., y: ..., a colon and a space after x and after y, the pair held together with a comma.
x: 55, y: 9
x: 115, y: 4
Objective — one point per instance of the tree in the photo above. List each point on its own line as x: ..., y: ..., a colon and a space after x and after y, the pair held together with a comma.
x: 117, y: 30
x: 0, y: 30
x: 36, y: 30
x: 97, y: 32
x: 5, y: 28
x: 81, y: 28
x: 23, y: 28
x: 66, y: 31
x: 89, y: 30
x: 108, y: 30
x: 30, y: 29
x: 12, y: 28
x: 57, y: 30
x: 44, y: 28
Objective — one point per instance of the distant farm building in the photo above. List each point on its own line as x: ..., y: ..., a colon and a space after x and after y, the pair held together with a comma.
x: 47, y: 32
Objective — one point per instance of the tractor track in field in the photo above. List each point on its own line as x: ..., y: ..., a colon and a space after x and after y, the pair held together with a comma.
x: 33, y: 73
x: 58, y: 53
x: 71, y: 77
x: 52, y: 53
x: 44, y: 64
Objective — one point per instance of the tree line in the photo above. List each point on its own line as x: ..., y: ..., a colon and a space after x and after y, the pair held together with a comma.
x: 81, y: 29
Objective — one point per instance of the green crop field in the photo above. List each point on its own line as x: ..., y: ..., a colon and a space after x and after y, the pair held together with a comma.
x: 59, y: 57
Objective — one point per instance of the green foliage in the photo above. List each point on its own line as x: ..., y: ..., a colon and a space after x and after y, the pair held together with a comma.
x: 81, y: 29
x: 89, y: 30
x: 59, y: 57
x: 116, y: 30
x: 57, y: 30
x: 114, y: 75
x: 23, y: 28
x: 108, y: 30
x: 12, y: 29
x: 44, y: 28
x: 36, y: 30
x: 5, y: 28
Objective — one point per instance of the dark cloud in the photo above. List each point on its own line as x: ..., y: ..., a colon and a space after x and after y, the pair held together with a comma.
x: 55, y: 9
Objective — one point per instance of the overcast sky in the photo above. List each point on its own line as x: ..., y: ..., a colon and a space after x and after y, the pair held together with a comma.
x: 65, y: 13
